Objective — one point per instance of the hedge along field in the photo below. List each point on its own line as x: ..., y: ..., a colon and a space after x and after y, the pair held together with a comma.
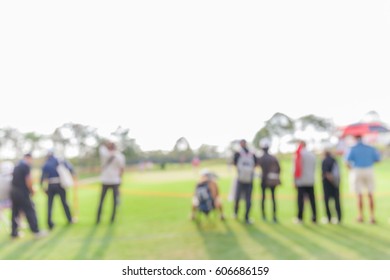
x: 153, y: 223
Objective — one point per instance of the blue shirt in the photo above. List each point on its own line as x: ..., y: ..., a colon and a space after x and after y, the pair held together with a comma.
x: 362, y: 156
x: 49, y: 169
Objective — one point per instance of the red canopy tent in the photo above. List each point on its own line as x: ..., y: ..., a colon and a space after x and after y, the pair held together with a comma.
x: 363, y: 129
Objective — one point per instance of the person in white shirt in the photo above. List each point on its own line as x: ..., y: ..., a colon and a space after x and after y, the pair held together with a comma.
x: 113, y: 165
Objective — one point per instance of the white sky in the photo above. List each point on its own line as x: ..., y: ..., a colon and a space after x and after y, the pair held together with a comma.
x: 211, y: 71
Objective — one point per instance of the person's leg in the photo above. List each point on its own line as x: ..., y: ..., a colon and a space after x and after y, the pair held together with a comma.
x: 194, y: 207
x: 358, y: 182
x: 310, y: 192
x: 248, y: 200
x: 371, y: 203
x: 337, y: 203
x: 50, y: 197
x: 29, y: 211
x: 237, y: 198
x: 273, y: 203
x: 102, y: 196
x: 65, y: 205
x: 360, y: 207
x: 370, y: 188
x: 300, y: 203
x: 115, y: 192
x: 15, y: 215
x: 263, y: 202
x: 218, y: 205
x: 326, y: 199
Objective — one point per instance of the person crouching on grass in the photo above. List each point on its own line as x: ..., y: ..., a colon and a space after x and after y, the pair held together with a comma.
x: 206, y: 197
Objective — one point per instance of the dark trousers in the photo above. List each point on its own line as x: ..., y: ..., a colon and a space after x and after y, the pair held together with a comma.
x: 21, y: 202
x: 309, y: 192
x: 53, y: 190
x: 244, y: 189
x: 330, y: 192
x: 115, y: 192
x: 263, y: 190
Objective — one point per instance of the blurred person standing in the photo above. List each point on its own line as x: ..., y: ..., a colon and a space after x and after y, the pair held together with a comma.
x: 331, y: 185
x: 270, y: 177
x: 360, y: 160
x: 112, y: 167
x: 304, y: 178
x: 51, y: 178
x: 245, y: 162
x: 21, y: 192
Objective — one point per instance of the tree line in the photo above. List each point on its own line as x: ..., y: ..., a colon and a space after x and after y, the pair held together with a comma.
x: 80, y: 142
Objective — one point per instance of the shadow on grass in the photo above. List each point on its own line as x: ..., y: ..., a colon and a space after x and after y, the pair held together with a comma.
x: 22, y: 247
x: 220, y: 245
x: 272, y: 245
x: 104, y: 243
x: 88, y: 240
x: 5, y: 242
x: 364, y: 244
x: 298, y: 235
x: 48, y: 244
x: 33, y: 248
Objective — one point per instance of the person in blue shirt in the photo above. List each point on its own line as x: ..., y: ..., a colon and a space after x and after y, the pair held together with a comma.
x: 51, y: 177
x: 360, y: 160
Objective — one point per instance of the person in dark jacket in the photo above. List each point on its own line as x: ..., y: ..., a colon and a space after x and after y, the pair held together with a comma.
x: 21, y: 192
x: 270, y: 177
x: 331, y: 185
x: 51, y: 177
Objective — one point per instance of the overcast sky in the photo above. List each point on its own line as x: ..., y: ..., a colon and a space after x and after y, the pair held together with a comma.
x: 211, y: 71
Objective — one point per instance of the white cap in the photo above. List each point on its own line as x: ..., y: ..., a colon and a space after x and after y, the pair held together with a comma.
x: 265, y: 143
x: 207, y: 173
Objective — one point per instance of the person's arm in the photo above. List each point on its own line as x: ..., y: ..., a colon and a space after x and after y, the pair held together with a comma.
x: 349, y: 159
x: 277, y: 166
x: 327, y: 170
x: 69, y: 166
x: 377, y: 156
x: 235, y: 159
x: 103, y: 151
x: 44, y: 178
x: 29, y: 183
x: 123, y: 165
x: 213, y: 189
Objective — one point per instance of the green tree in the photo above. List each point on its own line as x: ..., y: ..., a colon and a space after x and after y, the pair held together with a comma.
x: 182, y: 151
x: 261, y: 134
x: 127, y: 144
x: 318, y: 123
x: 33, y: 139
x: 14, y: 139
x: 208, y: 152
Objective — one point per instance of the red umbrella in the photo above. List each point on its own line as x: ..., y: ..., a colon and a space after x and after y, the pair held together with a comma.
x: 363, y: 129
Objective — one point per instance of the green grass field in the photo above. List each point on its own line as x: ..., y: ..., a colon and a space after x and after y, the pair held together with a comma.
x: 153, y: 223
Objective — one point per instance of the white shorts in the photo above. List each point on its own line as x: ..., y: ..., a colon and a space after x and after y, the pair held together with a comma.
x: 362, y: 178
